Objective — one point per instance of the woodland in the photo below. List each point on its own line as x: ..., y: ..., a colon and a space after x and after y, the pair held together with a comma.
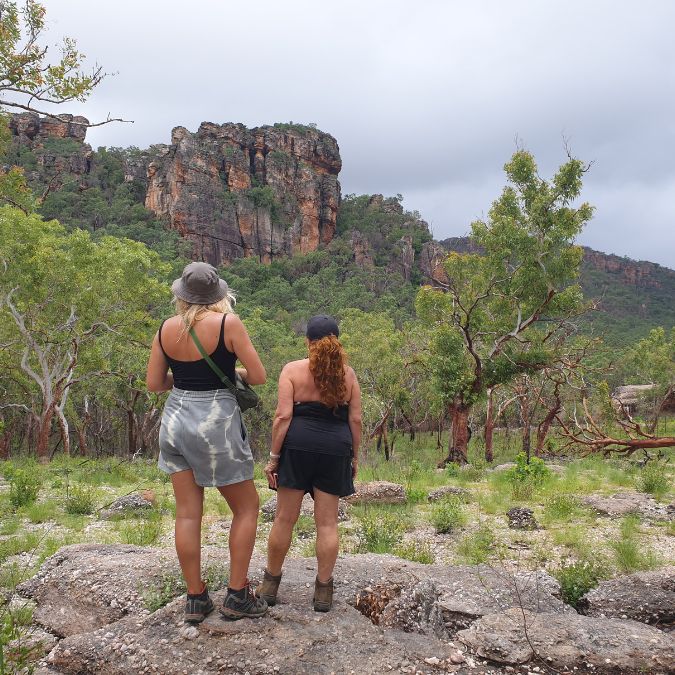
x: 517, y: 353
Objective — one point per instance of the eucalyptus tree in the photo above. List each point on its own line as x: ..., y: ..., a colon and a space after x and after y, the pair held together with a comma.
x: 494, y: 318
x: 69, y: 307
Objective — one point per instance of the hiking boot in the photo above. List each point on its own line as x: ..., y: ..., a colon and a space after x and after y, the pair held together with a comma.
x: 198, y: 607
x: 269, y: 588
x: 323, y: 595
x: 242, y: 604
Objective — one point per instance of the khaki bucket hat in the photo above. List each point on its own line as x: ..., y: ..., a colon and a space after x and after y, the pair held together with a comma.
x: 200, y: 285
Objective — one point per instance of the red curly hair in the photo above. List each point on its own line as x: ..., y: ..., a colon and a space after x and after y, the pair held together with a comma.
x: 327, y: 361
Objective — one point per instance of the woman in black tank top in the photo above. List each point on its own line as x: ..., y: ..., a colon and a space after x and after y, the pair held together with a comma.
x: 203, y: 440
x: 315, y: 445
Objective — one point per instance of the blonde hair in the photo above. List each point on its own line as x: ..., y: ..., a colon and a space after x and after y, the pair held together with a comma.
x: 191, y: 312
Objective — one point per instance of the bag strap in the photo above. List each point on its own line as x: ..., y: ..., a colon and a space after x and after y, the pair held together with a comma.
x: 214, y: 367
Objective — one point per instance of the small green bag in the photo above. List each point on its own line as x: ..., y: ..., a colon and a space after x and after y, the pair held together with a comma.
x: 246, y: 397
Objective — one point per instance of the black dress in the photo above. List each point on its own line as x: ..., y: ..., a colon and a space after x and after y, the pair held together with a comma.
x: 317, y: 450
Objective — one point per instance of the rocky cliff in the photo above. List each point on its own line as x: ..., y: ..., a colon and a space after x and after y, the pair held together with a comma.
x: 238, y: 192
x: 232, y: 191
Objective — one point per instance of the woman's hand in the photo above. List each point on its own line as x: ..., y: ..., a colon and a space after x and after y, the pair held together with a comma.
x: 355, y: 467
x: 271, y: 469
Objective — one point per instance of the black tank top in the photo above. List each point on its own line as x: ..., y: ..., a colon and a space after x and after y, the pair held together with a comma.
x: 317, y: 428
x: 197, y: 375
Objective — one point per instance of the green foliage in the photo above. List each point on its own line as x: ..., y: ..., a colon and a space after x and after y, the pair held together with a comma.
x: 24, y: 487
x: 41, y: 512
x: 380, y: 532
x: 478, y: 547
x: 417, y: 551
x: 169, y: 586
x: 576, y: 578
x: 654, y: 480
x: 144, y: 531
x: 80, y: 500
x: 535, y: 471
x: 447, y: 515
x: 562, y: 507
x: 630, y: 553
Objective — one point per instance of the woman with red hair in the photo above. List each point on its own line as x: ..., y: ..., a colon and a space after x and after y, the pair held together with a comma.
x: 316, y: 435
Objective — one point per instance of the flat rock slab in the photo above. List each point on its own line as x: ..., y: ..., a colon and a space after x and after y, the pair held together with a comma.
x: 432, y: 599
x: 571, y: 642
x: 624, y: 503
x: 136, y: 502
x: 648, y: 597
x: 85, y: 586
x: 269, y: 508
x: 378, y: 492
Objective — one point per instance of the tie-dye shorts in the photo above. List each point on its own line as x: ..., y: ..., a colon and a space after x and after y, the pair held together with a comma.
x: 204, y: 431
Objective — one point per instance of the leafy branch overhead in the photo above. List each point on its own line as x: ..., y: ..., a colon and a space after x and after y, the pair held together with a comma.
x: 28, y: 80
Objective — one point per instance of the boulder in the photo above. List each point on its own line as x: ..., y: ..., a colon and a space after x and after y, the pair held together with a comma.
x: 377, y: 492
x: 648, y: 597
x: 129, y: 504
x: 624, y: 503
x: 522, y: 518
x: 448, y: 491
x: 269, y: 508
x: 564, y: 643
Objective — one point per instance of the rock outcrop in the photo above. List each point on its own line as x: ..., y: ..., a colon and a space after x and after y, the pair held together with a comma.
x: 648, y: 597
x: 431, y: 261
x: 389, y: 615
x: 236, y: 192
x: 377, y: 492
x: 572, y: 642
x: 57, y: 145
x: 623, y: 503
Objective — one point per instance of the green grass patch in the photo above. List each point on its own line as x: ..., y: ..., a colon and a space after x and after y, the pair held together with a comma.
x: 163, y: 591
x: 42, y: 512
x: 562, y: 508
x: 380, y: 532
x: 478, y: 547
x: 10, y: 525
x: 630, y: 552
x: 144, y: 531
x: 25, y: 543
x: 417, y: 551
x: 447, y: 515
x: 654, y: 480
x: 578, y: 577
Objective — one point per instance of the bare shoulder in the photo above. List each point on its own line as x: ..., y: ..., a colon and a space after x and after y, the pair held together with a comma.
x: 293, y: 367
x: 350, y: 374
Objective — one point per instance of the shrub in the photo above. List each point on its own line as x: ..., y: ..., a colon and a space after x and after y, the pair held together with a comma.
x: 24, y: 487
x: 162, y: 592
x: 654, y: 480
x: 561, y: 507
x: 629, y: 553
x: 417, y: 551
x: 452, y: 470
x: 416, y: 495
x: 447, y: 514
x: 380, y: 532
x: 80, y: 501
x: 478, y: 546
x: 535, y: 472
x: 577, y: 578
x: 144, y: 531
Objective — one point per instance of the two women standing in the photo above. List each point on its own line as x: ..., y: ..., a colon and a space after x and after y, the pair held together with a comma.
x: 203, y: 440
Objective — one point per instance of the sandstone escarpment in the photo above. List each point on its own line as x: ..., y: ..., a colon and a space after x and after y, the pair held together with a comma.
x: 237, y: 192
x: 57, y: 145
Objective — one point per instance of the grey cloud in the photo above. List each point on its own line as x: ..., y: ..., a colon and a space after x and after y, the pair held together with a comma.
x: 424, y: 98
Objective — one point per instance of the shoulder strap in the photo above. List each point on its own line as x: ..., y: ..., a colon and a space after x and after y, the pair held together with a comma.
x: 159, y: 336
x: 223, y: 378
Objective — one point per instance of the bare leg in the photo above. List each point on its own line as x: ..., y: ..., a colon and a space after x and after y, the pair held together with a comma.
x: 326, y: 519
x: 242, y: 498
x: 189, y: 509
x: 288, y: 510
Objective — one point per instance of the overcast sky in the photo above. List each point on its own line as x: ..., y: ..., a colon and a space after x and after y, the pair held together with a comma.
x: 425, y: 97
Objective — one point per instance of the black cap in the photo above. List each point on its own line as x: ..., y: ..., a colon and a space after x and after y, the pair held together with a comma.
x: 320, y: 326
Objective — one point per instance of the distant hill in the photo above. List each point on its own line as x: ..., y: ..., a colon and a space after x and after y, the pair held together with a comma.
x: 228, y: 194
x: 632, y: 296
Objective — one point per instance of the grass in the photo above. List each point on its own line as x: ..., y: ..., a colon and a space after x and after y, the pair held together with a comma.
x: 80, y: 500
x: 417, y: 551
x: 478, y: 547
x: 562, y: 508
x: 630, y: 553
x: 42, y: 512
x: 654, y: 481
x: 578, y: 577
x: 448, y: 515
x: 380, y: 532
x: 144, y: 531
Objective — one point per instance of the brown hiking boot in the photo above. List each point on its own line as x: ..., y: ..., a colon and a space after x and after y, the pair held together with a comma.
x: 269, y: 588
x: 323, y: 595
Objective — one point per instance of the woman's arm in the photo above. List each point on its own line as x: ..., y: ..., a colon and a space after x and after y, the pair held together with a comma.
x: 157, y: 377
x: 355, y: 423
x: 281, y: 422
x: 253, y: 371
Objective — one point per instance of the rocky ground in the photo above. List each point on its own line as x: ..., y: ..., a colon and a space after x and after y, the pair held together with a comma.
x: 91, y: 612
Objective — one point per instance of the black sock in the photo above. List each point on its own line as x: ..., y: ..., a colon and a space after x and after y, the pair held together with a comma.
x: 240, y: 594
x: 199, y: 596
